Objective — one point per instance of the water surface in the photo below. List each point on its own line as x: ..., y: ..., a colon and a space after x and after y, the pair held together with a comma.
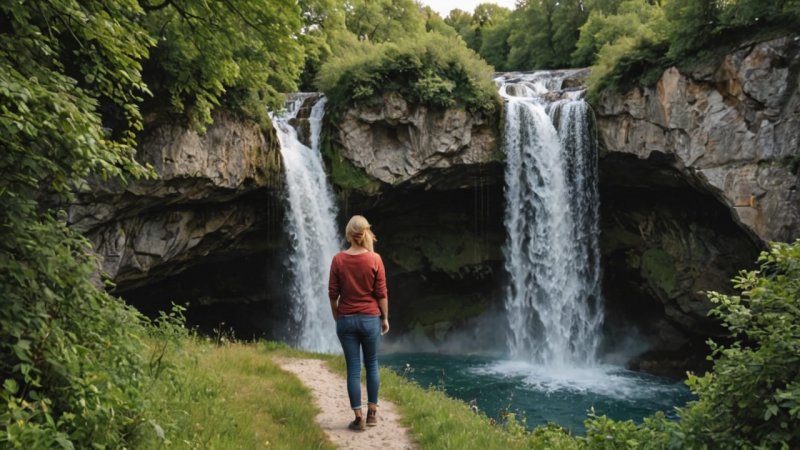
x: 542, y: 395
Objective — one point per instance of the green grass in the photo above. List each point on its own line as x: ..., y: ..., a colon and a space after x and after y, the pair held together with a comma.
x: 230, y: 396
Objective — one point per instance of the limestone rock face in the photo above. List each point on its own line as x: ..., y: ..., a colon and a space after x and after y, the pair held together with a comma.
x: 731, y: 126
x: 212, y: 193
x: 435, y: 201
x: 397, y: 142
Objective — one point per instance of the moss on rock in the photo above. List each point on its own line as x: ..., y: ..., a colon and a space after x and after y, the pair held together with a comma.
x: 346, y: 175
x: 450, y: 252
x: 658, y: 267
x: 439, y: 313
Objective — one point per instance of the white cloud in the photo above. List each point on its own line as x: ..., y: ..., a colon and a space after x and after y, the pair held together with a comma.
x: 443, y: 7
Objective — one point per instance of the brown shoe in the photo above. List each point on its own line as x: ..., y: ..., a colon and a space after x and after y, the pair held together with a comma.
x: 357, y: 425
x: 372, y: 418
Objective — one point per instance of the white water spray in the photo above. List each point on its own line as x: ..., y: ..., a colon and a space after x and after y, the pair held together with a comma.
x: 311, y: 222
x: 553, y: 300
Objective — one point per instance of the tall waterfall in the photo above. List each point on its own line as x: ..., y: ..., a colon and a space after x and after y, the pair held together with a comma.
x: 553, y: 300
x: 311, y: 221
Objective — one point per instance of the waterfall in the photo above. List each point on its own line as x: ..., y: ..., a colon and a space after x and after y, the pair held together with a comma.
x: 311, y: 225
x: 553, y: 301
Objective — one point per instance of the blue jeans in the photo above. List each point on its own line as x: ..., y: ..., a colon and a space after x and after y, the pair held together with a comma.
x: 356, y: 333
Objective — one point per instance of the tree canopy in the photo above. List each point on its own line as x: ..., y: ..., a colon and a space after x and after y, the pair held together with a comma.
x: 245, y: 52
x: 73, y: 75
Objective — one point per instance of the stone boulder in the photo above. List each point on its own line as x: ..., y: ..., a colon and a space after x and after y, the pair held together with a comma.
x: 395, y: 142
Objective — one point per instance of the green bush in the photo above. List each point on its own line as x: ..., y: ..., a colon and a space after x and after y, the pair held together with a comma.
x: 751, y: 397
x: 71, y: 359
x: 432, y: 69
x: 639, y: 39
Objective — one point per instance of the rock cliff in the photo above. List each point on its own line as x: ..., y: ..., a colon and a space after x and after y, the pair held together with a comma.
x: 431, y: 184
x: 731, y: 126
x: 217, y: 201
x: 697, y: 172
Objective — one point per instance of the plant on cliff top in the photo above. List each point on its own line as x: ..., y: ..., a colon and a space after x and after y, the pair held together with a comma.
x: 431, y: 69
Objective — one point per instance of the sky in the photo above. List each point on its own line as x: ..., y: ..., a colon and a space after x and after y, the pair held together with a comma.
x: 443, y: 7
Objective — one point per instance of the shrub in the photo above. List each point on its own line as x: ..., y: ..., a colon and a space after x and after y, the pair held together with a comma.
x: 751, y: 397
x: 71, y: 356
x: 431, y: 69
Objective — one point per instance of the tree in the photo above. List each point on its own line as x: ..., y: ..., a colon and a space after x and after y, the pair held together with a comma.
x: 461, y: 21
x: 434, y: 23
x: 531, y: 37
x: 748, y: 13
x: 634, y: 18
x: 692, y: 22
x: 323, y: 20
x: 495, y: 47
x: 245, y: 51
x: 383, y: 20
x: 72, y: 358
x: 485, y: 17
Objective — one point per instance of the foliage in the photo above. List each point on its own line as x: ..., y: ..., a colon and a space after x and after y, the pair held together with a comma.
x: 636, y: 39
x: 692, y: 24
x: 474, y: 28
x: 461, y: 22
x: 630, y: 59
x: 544, y: 33
x: 655, y: 432
x: 632, y: 18
x: 383, y: 20
x: 244, y: 50
x: 434, y: 23
x: 751, y: 397
x: 494, y: 45
x: 431, y: 69
x: 71, y: 362
x: 70, y: 357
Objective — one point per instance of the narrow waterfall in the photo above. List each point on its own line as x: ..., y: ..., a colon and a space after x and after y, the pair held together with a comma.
x: 553, y: 300
x: 311, y: 224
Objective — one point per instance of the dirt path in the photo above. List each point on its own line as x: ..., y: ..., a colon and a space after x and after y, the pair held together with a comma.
x: 330, y: 394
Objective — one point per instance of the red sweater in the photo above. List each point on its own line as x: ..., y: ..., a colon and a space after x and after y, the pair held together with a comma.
x: 358, y: 281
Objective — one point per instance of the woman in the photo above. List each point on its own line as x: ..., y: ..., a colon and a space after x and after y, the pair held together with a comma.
x: 360, y: 306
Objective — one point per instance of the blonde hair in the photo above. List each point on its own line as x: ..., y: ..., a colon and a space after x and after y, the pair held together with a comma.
x: 358, y: 232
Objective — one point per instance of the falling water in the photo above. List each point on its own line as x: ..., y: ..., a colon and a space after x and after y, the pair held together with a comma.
x: 553, y: 297
x: 311, y: 226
